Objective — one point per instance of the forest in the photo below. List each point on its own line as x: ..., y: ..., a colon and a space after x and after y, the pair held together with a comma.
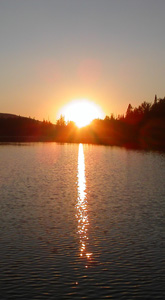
x: 142, y: 127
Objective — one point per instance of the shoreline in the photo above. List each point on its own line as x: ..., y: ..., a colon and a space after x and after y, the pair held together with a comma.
x: 45, y: 139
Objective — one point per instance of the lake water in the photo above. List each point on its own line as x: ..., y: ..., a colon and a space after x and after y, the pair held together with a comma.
x: 81, y: 222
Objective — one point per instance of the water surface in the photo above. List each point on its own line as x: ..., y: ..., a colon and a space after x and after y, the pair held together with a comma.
x: 81, y: 222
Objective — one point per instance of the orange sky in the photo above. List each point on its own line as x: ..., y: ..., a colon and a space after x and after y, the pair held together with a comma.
x: 110, y: 52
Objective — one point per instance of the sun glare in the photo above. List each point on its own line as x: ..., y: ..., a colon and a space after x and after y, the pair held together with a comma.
x: 82, y: 112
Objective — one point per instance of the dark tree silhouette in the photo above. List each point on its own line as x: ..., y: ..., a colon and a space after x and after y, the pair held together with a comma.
x: 141, y: 127
x: 61, y: 121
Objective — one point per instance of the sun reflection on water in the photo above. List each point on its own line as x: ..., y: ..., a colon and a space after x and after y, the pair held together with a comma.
x: 82, y: 209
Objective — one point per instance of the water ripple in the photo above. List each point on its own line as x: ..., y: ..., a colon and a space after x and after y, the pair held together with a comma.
x: 118, y: 198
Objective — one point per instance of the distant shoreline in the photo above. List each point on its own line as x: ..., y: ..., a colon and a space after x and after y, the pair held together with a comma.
x: 140, y: 128
x: 27, y: 140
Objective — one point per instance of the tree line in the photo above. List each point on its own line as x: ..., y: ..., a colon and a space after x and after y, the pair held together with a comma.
x: 141, y: 127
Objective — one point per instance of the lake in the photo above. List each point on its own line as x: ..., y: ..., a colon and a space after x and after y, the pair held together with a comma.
x: 81, y: 222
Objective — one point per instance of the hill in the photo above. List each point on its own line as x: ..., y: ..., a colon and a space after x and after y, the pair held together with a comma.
x: 141, y: 127
x: 7, y: 116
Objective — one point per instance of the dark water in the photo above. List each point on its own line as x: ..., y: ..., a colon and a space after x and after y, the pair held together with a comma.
x: 81, y: 222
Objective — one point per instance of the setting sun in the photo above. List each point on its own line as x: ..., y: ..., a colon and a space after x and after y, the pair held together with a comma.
x: 82, y: 112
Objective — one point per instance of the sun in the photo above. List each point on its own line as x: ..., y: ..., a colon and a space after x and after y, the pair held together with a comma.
x: 81, y: 112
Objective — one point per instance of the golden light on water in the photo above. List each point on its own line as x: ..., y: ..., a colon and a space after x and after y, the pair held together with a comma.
x: 81, y: 174
x: 82, y: 205
x: 82, y: 112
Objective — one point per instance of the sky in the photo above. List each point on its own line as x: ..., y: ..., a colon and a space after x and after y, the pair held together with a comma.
x: 111, y: 52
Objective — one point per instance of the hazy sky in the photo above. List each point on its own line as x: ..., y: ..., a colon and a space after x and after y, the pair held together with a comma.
x: 53, y: 51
